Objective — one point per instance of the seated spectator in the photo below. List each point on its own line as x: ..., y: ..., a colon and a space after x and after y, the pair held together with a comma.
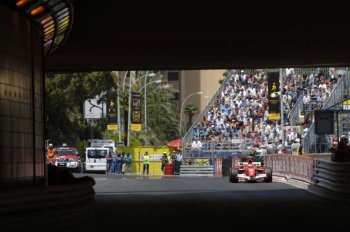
x: 195, y: 131
x: 196, y: 144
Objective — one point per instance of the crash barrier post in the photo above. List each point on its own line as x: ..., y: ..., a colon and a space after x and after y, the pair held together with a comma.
x: 332, y: 175
x: 37, y: 208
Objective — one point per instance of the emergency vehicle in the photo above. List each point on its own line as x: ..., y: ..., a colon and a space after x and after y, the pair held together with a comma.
x: 67, y: 157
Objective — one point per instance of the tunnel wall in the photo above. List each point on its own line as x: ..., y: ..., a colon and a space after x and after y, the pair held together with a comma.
x: 21, y: 99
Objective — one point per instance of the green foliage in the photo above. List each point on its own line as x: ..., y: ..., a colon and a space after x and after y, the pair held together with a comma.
x: 65, y: 97
x: 80, y: 146
x: 162, y: 115
x: 190, y: 109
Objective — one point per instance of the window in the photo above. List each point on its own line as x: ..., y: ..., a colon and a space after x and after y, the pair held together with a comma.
x: 97, y: 154
x: 173, y: 76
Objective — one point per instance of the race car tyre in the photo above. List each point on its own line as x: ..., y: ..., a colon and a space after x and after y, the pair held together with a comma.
x: 268, y: 172
x: 233, y: 175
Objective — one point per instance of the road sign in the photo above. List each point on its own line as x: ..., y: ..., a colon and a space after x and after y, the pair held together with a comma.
x: 93, y: 109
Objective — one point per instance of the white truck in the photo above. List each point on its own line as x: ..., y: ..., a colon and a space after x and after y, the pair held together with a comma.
x: 96, y: 159
x: 102, y: 143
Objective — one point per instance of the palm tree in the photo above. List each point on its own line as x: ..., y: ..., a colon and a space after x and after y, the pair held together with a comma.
x: 162, y: 116
x: 190, y: 110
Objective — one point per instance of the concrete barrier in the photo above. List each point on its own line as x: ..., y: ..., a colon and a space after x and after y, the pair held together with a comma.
x: 47, y: 208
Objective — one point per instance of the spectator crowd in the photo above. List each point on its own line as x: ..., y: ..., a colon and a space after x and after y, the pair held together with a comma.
x: 241, y: 107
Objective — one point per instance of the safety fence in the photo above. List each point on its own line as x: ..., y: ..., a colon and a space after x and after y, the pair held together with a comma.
x: 317, y: 170
x: 192, y: 154
x: 228, y: 144
x: 291, y: 166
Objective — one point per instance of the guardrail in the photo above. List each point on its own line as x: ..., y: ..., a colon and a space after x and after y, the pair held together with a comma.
x: 332, y: 175
x: 193, y: 170
x: 325, y: 177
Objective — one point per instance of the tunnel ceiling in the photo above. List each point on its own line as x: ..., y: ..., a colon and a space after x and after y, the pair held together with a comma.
x: 110, y: 35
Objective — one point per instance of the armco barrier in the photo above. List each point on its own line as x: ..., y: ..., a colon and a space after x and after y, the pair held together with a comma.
x: 194, y: 170
x: 43, y: 208
x: 332, y: 175
x: 319, y: 173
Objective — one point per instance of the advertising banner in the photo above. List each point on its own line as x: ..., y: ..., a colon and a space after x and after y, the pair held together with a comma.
x: 112, y: 119
x: 135, y: 111
x: 274, y: 96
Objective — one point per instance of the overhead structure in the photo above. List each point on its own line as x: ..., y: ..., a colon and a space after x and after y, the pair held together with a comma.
x: 121, y: 35
x: 55, y: 17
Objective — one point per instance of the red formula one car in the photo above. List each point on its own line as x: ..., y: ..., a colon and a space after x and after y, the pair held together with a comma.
x: 250, y: 169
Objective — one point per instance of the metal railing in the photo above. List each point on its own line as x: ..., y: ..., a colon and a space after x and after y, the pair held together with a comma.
x: 313, y: 143
x: 211, y: 149
x: 296, y: 110
x: 312, y: 106
x: 189, y: 133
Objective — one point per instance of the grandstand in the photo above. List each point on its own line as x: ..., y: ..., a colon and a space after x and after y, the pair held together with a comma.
x: 235, y: 121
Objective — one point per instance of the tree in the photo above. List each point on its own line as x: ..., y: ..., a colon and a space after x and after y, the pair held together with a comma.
x: 65, y: 95
x: 190, y: 110
x: 162, y: 114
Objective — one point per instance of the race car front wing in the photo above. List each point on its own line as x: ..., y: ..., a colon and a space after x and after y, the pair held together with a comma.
x: 257, y: 177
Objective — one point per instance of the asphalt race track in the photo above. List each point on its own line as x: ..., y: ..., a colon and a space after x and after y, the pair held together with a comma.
x: 210, y: 204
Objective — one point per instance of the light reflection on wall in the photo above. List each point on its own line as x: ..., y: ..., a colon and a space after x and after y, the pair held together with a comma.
x: 21, y: 121
x: 53, y: 16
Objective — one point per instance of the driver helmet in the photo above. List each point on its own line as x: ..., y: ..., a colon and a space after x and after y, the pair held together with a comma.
x: 50, y: 145
x: 344, y: 139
